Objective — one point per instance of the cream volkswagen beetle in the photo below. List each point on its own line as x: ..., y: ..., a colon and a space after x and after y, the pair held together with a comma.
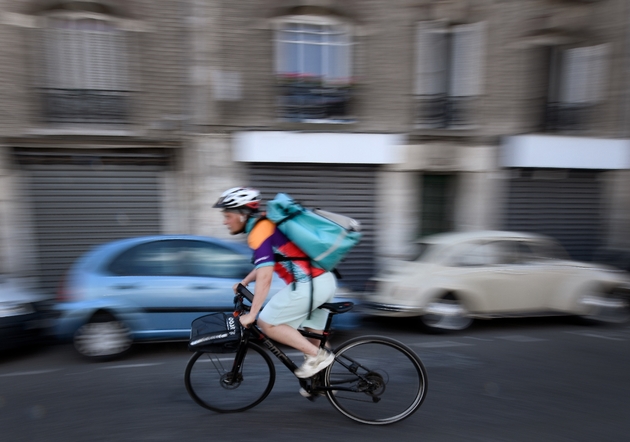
x: 456, y: 277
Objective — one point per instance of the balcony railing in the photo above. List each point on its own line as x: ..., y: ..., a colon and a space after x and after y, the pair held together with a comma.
x: 85, y: 106
x: 444, y: 112
x: 565, y: 117
x: 305, y: 101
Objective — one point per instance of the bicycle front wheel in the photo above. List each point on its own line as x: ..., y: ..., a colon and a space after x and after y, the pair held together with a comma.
x: 211, y: 382
x: 376, y: 380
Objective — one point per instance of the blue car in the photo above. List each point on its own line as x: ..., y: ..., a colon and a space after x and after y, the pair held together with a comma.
x: 149, y: 289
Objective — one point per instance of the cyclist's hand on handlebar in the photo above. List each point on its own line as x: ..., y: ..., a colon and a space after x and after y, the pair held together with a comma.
x: 247, y: 319
x: 235, y: 287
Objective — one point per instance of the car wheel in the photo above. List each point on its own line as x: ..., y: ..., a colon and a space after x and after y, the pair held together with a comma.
x: 103, y: 338
x: 604, y: 307
x: 446, y: 314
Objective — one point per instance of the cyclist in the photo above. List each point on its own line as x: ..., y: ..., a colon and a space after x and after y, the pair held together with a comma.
x: 290, y: 308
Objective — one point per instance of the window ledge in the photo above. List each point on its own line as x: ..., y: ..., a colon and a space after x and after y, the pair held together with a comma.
x: 470, y: 131
x: 316, y: 125
x: 82, y: 131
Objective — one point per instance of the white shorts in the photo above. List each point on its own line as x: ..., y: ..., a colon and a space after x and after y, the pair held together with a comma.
x: 291, y: 307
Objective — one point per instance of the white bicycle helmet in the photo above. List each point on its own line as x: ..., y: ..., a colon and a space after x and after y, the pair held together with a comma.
x: 239, y: 198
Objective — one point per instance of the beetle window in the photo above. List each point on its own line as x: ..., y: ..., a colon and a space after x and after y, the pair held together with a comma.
x: 476, y: 255
x: 487, y: 254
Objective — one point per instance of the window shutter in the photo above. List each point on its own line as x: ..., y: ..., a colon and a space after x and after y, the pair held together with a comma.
x: 94, y: 59
x: 431, y: 58
x: 68, y: 59
x: 341, y: 59
x: 598, y: 71
x: 53, y: 62
x: 280, y: 48
x: 87, y: 59
x: 114, y: 66
x: 574, y: 73
x: 467, y: 60
x: 584, y: 74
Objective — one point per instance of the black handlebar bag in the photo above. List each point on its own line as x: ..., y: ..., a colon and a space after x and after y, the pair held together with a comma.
x: 215, y: 333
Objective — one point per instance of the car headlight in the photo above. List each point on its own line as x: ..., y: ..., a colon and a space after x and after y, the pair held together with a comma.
x: 15, y: 309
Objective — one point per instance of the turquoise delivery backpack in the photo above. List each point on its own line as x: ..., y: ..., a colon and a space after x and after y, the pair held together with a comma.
x: 325, y: 237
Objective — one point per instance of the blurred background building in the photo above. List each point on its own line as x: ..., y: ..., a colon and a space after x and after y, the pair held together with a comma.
x: 125, y: 118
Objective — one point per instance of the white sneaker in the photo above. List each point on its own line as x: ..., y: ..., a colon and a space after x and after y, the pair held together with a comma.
x: 308, y: 395
x: 315, y: 364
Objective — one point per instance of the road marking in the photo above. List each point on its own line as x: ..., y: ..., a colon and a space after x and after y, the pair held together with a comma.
x: 521, y: 338
x: 440, y: 344
x: 478, y: 339
x: 29, y: 373
x: 595, y: 335
x: 131, y: 365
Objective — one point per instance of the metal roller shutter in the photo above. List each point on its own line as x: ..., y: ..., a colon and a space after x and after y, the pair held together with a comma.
x: 565, y: 205
x: 347, y: 189
x: 77, y: 206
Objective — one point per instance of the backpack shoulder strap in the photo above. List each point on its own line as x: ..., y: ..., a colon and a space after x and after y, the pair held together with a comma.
x: 253, y: 221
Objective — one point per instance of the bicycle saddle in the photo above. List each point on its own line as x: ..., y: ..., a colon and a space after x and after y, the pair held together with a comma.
x: 338, y: 307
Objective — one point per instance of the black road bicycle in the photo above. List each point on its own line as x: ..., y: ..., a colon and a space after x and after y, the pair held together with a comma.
x: 374, y: 380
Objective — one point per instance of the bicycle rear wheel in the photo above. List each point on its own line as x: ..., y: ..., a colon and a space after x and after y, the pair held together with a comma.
x: 211, y: 383
x: 376, y: 380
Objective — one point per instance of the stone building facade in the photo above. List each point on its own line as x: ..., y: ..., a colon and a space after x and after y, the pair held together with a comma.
x: 415, y: 116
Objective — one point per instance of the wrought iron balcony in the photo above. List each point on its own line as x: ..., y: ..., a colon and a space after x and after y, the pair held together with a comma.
x: 444, y: 112
x: 565, y: 117
x: 307, y: 101
x: 85, y: 106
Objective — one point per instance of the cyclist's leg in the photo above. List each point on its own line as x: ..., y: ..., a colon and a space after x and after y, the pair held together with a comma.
x: 289, y: 309
x: 287, y: 335
x: 314, y: 341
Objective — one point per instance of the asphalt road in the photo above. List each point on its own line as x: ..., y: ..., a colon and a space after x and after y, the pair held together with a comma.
x: 526, y: 380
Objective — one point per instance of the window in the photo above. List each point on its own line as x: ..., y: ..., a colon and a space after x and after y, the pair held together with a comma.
x: 542, y: 250
x: 449, y: 74
x: 476, y: 255
x: 84, y: 69
x: 159, y: 258
x: 313, y: 69
x: 488, y: 254
x: 576, y: 80
x: 181, y: 258
x: 212, y: 260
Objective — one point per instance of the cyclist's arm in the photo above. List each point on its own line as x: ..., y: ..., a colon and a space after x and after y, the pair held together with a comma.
x: 246, y: 280
x: 264, y: 276
x: 249, y: 278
